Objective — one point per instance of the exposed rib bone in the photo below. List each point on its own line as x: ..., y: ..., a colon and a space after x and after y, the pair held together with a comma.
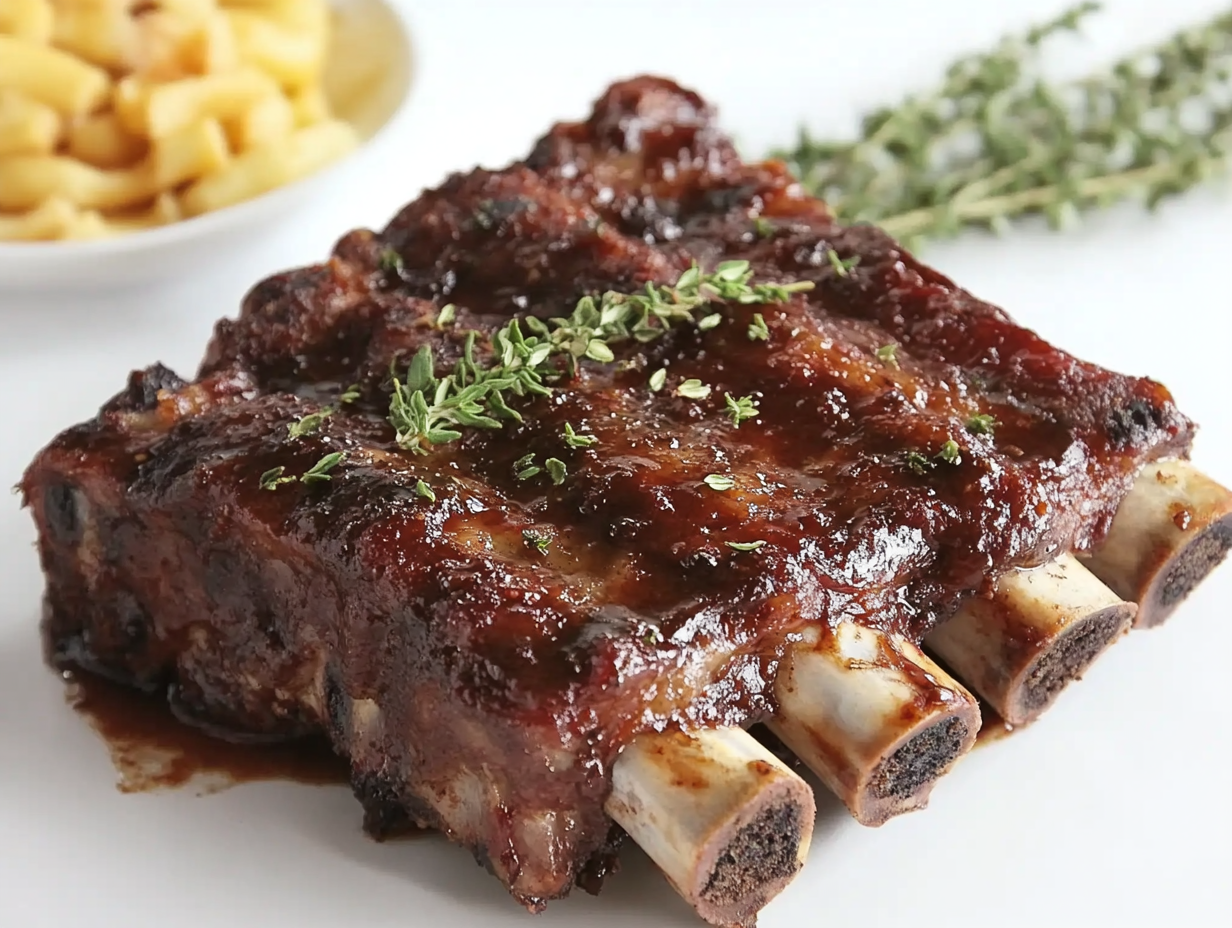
x: 1040, y: 629
x: 1173, y: 528
x: 726, y: 821
x: 874, y: 717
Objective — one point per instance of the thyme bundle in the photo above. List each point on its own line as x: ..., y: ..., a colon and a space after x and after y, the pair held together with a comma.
x: 427, y: 410
x: 994, y: 142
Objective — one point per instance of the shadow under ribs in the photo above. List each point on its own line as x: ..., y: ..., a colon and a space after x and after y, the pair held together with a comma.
x: 503, y: 691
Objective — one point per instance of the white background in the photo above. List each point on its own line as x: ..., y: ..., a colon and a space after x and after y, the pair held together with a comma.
x: 1113, y: 810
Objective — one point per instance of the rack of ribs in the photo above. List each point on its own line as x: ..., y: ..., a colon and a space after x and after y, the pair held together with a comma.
x: 545, y: 637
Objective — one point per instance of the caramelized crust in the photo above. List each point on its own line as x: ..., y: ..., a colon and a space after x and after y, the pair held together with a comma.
x: 477, y: 684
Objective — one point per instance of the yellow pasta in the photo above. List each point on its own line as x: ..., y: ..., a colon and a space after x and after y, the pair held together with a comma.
x: 101, y: 33
x: 263, y: 169
x: 116, y: 118
x: 32, y: 20
x: 292, y: 56
x: 27, y: 127
x: 310, y: 105
x: 51, y: 220
x: 27, y: 180
x: 92, y: 224
x: 269, y: 119
x: 51, y: 76
x: 102, y: 140
x: 163, y: 108
x: 188, y: 153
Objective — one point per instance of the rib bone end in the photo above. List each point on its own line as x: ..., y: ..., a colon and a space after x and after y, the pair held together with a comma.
x: 1066, y: 660
x: 726, y: 821
x: 876, y: 719
x: 1172, y: 529
x: 1038, y: 632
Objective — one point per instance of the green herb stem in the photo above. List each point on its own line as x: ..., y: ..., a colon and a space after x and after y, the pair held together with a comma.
x: 994, y: 141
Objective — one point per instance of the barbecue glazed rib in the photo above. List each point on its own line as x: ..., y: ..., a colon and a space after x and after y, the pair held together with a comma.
x: 485, y: 682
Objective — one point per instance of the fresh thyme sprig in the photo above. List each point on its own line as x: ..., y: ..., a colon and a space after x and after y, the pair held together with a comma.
x: 995, y: 142
x: 739, y: 409
x: 427, y: 410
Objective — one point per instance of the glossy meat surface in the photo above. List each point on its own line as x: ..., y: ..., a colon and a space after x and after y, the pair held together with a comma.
x: 482, y: 685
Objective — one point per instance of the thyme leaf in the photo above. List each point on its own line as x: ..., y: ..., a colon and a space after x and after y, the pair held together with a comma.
x: 309, y: 424
x: 693, y: 389
x: 556, y: 470
x: 758, y: 330
x: 744, y: 545
x: 718, y: 482
x: 320, y: 470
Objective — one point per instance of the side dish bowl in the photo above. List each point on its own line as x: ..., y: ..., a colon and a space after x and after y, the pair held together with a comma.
x: 367, y: 81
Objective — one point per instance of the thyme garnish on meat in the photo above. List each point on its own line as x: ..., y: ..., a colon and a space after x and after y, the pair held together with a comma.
x: 693, y: 389
x: 537, y: 540
x: 718, y: 482
x: 309, y: 424
x: 744, y: 545
x: 574, y: 440
x: 758, y: 330
x: 529, y: 355
x: 739, y: 409
x: 950, y: 453
x: 842, y: 266
x: 995, y: 142
x: 981, y: 424
x: 888, y: 355
x: 275, y: 477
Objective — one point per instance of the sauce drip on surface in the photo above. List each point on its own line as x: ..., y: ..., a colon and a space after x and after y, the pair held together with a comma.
x: 152, y: 750
x: 993, y: 727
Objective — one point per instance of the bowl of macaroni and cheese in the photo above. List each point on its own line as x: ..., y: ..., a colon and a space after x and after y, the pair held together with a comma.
x: 137, y: 136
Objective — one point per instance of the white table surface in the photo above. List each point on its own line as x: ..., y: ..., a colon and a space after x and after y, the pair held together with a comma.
x: 1113, y: 810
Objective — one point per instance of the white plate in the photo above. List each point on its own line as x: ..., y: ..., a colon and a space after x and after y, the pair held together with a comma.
x: 367, y: 83
x: 1112, y: 811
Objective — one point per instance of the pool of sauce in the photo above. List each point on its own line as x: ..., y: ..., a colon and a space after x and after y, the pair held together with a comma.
x: 152, y: 750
